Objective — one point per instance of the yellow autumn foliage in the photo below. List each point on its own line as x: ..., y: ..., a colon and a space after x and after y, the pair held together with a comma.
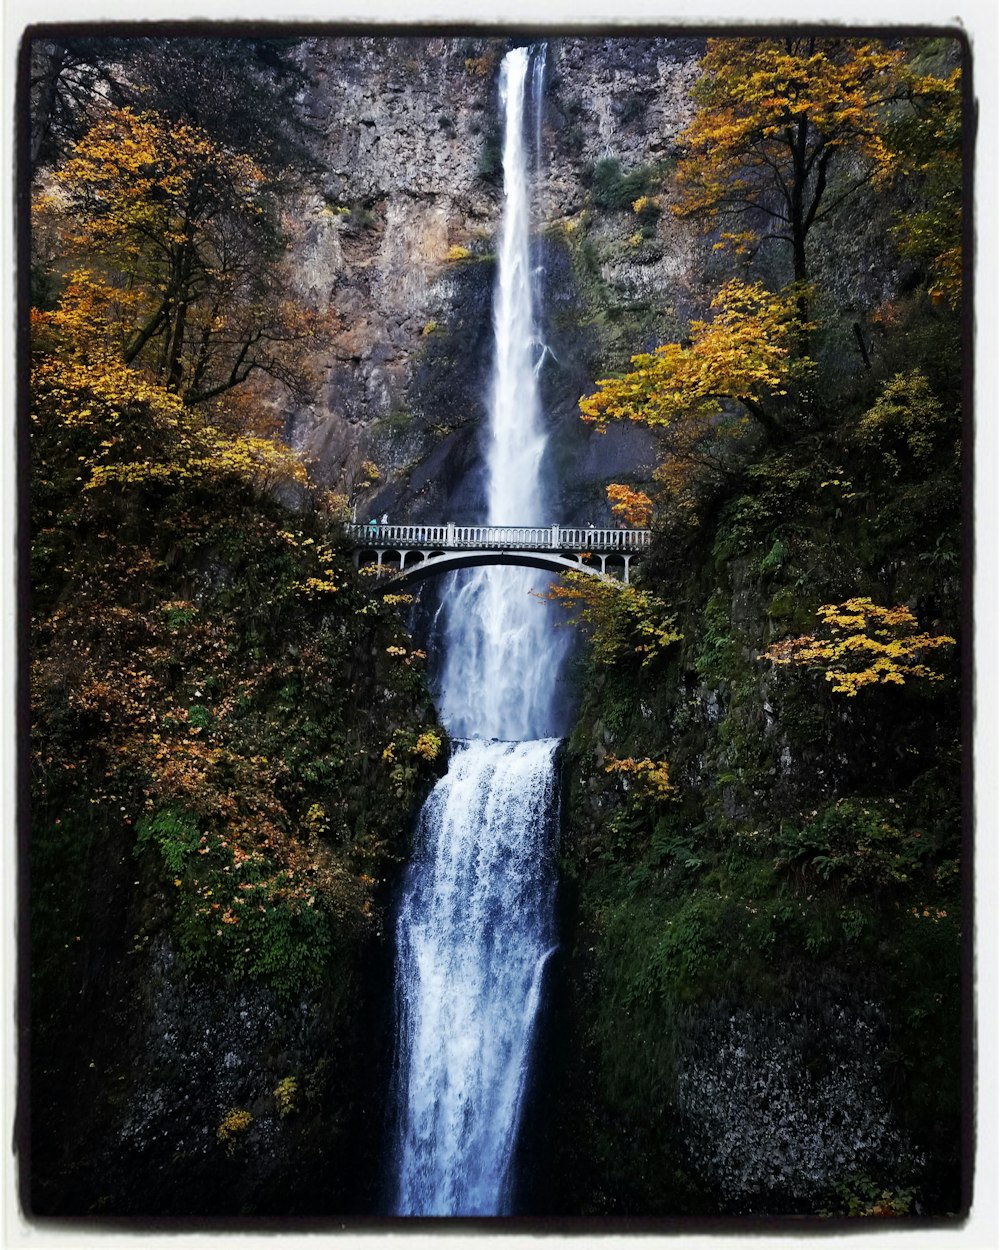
x: 131, y: 428
x: 652, y: 775
x: 136, y: 174
x: 745, y: 353
x: 927, y: 142
x: 235, y: 1122
x: 634, y: 507
x: 177, y: 233
x: 623, y: 619
x: 862, y: 644
x: 773, y: 113
x: 428, y: 745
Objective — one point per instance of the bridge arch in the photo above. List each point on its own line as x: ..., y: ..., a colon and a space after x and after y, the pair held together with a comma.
x: 409, y: 553
x: 436, y: 562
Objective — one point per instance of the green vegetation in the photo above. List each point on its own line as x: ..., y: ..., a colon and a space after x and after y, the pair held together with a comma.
x: 808, y: 705
x: 611, y: 188
x: 200, y: 640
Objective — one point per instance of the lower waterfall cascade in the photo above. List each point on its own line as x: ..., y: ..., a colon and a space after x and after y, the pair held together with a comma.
x: 475, y: 931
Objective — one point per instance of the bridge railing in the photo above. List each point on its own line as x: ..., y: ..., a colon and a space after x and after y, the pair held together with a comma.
x: 499, y: 537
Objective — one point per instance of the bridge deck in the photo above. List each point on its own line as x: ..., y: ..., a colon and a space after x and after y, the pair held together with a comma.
x: 498, y: 538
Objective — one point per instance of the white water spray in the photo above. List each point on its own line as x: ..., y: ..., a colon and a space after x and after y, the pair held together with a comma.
x: 475, y: 926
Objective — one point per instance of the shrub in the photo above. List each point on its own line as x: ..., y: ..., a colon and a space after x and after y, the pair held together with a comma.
x: 905, y: 423
x: 624, y: 620
x: 286, y: 1094
x: 854, y: 842
x: 174, y: 833
x: 234, y: 1123
x: 862, y: 644
x: 612, y: 189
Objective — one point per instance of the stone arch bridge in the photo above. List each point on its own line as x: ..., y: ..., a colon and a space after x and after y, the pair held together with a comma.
x: 408, y: 553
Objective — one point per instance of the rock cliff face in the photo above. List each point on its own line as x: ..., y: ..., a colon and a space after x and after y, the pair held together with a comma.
x: 398, y: 241
x: 625, y: 100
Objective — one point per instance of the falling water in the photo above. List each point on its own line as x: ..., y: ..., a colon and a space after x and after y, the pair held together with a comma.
x: 501, y: 660
x: 475, y: 925
x: 474, y: 932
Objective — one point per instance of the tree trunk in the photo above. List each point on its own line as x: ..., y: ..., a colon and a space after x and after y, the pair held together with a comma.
x: 173, y: 364
x: 799, y: 228
x: 47, y: 61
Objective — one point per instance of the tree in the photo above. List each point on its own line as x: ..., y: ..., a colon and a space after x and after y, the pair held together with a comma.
x: 862, y: 644
x: 96, y: 421
x: 69, y: 84
x: 245, y: 93
x: 745, y: 355
x: 927, y: 143
x: 181, y: 238
x: 774, y: 116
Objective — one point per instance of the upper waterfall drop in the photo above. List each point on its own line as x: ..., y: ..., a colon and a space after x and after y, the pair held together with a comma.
x: 502, y: 653
x: 517, y: 440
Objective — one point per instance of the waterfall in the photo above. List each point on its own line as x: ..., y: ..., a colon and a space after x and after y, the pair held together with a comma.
x: 501, y: 658
x: 475, y: 923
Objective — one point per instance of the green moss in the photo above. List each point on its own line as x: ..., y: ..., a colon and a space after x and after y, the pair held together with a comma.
x: 397, y: 422
x: 600, y: 315
x: 782, y: 606
x: 718, y: 661
x: 860, y: 1195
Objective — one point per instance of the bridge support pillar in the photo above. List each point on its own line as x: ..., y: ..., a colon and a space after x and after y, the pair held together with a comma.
x: 626, y: 559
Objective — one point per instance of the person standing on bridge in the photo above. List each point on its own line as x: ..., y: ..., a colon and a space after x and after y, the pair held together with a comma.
x: 373, y: 525
x: 385, y: 518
